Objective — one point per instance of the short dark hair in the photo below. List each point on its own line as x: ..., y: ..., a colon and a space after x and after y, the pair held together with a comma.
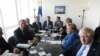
x: 48, y: 16
x: 58, y: 17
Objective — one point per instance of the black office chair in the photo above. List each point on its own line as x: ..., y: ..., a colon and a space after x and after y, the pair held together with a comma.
x: 11, y: 41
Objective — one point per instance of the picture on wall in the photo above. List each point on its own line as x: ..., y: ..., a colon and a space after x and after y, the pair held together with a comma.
x: 59, y: 9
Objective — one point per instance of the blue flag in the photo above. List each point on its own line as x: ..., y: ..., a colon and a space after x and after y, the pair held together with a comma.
x: 40, y: 11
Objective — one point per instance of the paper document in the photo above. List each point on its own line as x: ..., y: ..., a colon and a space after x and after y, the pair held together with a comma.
x: 42, y: 31
x: 55, y: 42
x: 33, y: 51
x: 39, y: 34
x: 54, y: 34
x: 41, y: 53
x: 21, y: 45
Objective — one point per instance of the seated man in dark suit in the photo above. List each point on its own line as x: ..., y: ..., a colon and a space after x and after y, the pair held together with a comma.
x: 87, y: 46
x: 48, y: 24
x: 5, y: 46
x: 28, y: 23
x: 64, y: 32
x: 23, y: 34
x: 58, y: 23
x: 37, y: 24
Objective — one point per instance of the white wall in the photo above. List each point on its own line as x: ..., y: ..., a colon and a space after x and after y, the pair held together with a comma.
x: 93, y: 14
x: 73, y: 10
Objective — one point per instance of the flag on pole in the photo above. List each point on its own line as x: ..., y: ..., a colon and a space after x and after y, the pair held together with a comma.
x: 40, y: 10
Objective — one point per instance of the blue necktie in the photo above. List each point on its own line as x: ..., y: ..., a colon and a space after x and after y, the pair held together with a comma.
x: 80, y: 52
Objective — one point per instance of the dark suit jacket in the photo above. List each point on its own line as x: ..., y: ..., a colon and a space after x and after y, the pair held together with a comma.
x: 4, y: 46
x: 64, y: 33
x: 49, y: 23
x: 94, y: 49
x: 37, y: 27
x: 97, y: 34
x: 58, y: 24
x: 23, y: 36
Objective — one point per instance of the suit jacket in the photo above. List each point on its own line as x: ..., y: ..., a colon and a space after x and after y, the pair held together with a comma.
x: 23, y: 36
x: 58, y: 24
x: 49, y: 23
x: 64, y: 33
x: 97, y: 34
x: 4, y: 46
x: 94, y: 49
x: 37, y: 27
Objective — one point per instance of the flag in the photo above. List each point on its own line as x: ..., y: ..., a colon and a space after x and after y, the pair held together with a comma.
x: 40, y: 10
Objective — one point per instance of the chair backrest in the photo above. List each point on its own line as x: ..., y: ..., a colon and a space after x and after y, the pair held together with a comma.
x: 11, y: 41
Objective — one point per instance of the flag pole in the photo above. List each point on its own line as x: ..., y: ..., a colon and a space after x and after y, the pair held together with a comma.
x: 83, y: 18
x: 34, y: 13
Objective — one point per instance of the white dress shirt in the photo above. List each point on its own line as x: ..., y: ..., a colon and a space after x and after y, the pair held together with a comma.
x: 87, y: 48
x: 47, y: 23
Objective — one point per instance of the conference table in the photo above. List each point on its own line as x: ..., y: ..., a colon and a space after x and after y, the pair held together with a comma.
x: 6, y: 53
x: 52, y: 48
x: 47, y: 46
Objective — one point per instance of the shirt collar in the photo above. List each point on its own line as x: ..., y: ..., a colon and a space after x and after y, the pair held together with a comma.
x: 88, y: 45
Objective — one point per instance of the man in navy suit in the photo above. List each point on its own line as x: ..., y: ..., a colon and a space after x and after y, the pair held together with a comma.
x: 48, y: 24
x: 22, y: 34
x: 91, y: 48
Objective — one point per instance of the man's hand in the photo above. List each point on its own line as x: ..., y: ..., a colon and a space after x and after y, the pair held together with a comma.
x: 16, y: 50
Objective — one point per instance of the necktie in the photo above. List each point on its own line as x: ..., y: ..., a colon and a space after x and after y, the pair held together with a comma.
x: 80, y: 52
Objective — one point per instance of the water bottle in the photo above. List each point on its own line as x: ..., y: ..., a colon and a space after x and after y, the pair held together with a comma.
x: 41, y: 49
x: 61, y: 55
x: 49, y: 54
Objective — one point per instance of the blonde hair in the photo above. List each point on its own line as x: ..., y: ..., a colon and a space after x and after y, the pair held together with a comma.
x: 88, y: 31
x: 72, y: 25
